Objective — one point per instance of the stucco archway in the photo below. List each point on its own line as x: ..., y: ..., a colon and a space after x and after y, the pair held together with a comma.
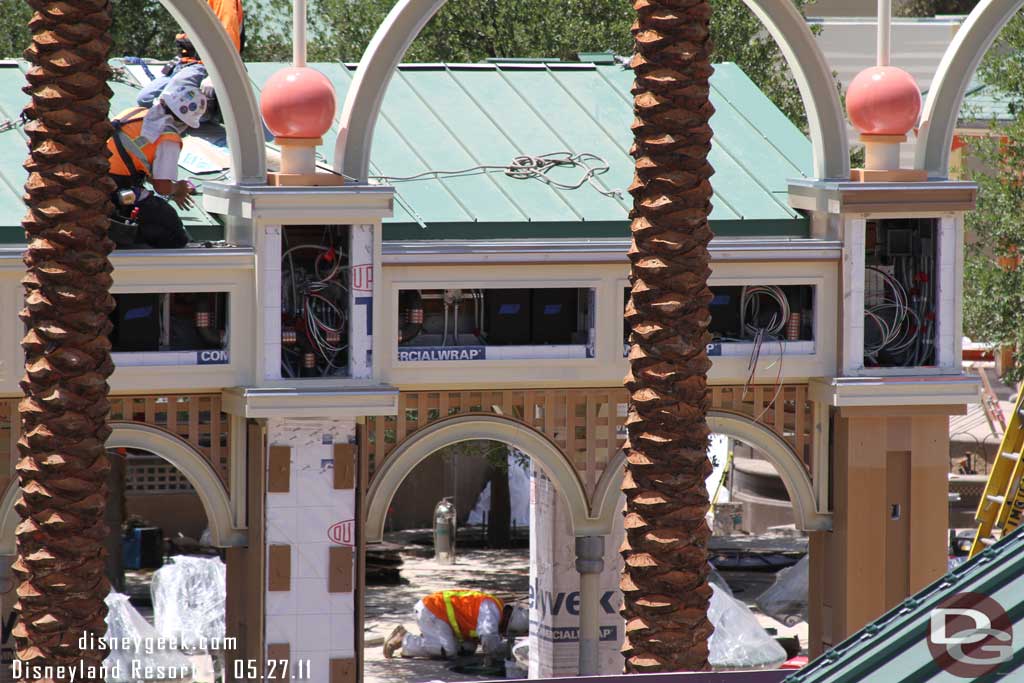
x: 408, y: 17
x: 182, y: 455
x: 798, y: 483
x: 429, y: 440
x: 959, y: 62
x: 242, y: 122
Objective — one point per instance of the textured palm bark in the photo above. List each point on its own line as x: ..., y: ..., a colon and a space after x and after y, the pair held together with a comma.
x: 63, y: 463
x: 664, y: 581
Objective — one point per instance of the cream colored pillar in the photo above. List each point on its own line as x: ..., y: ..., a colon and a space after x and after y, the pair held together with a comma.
x: 890, y: 516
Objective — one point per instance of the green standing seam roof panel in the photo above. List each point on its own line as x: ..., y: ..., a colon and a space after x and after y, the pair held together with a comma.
x: 986, y: 104
x: 894, y: 649
x: 455, y: 116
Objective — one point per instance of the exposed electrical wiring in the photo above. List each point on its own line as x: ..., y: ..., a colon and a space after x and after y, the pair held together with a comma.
x: 314, y: 301
x: 750, y: 323
x: 526, y: 167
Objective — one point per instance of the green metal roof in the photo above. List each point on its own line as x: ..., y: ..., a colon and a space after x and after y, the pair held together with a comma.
x: 894, y: 649
x: 984, y: 104
x: 454, y: 116
x: 14, y: 150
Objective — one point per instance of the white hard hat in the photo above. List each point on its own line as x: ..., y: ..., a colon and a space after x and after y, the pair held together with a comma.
x: 185, y: 102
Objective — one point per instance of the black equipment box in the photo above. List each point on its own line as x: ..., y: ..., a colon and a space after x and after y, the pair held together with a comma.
x: 554, y: 315
x: 136, y: 322
x: 508, y: 316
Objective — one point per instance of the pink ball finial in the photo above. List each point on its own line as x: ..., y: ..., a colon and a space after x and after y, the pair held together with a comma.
x: 298, y: 102
x: 883, y: 100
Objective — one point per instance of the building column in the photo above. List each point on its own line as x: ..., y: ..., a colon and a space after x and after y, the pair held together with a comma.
x: 890, y: 516
x: 589, y: 564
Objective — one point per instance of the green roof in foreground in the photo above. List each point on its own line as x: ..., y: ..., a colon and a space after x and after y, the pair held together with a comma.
x: 457, y: 116
x: 895, y: 649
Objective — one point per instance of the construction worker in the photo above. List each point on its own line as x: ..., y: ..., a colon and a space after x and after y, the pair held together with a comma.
x: 145, y: 146
x: 451, y: 623
x: 187, y: 67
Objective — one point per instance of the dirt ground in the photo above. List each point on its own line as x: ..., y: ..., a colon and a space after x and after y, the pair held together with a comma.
x: 501, y: 571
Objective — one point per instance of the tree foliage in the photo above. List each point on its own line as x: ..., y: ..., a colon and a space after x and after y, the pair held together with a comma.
x: 993, y: 278
x: 463, y: 31
x: 930, y: 8
x: 475, y: 30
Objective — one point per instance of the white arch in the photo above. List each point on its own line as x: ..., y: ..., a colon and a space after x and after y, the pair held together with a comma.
x: 242, y: 121
x: 182, y: 455
x: 408, y: 17
x: 429, y: 440
x: 959, y: 62
x: 771, y: 445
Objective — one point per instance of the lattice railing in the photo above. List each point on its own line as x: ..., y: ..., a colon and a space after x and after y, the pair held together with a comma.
x: 195, y: 418
x: 787, y: 411
x: 587, y: 424
x: 152, y: 475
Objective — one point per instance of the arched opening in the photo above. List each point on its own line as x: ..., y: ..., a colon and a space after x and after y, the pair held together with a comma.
x: 407, y: 18
x: 945, y: 97
x: 242, y: 123
x: 773, y: 447
x: 181, y: 455
x: 762, y: 511
x: 157, y: 482
x: 491, y: 544
x: 437, y: 461
x: 425, y: 442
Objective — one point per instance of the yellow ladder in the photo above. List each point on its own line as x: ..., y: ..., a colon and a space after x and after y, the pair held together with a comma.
x: 1001, y: 507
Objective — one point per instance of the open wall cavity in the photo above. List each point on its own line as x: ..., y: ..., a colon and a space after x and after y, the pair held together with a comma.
x: 746, y: 317
x: 316, y: 281
x: 495, y: 324
x: 900, y: 292
x: 179, y: 328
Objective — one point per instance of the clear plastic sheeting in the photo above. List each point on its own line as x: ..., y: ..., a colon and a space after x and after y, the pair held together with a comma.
x: 718, y: 580
x: 739, y: 642
x: 519, y: 494
x: 189, y: 602
x: 126, y: 625
x: 786, y: 599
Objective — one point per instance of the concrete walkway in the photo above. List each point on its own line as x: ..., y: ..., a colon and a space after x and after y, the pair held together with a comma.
x: 503, y: 572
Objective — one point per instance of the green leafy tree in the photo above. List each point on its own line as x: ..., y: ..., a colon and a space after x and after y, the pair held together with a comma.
x: 993, y: 276
x: 929, y: 8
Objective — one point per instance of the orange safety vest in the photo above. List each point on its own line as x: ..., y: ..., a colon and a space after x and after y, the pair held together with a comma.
x: 460, y: 609
x: 135, y: 145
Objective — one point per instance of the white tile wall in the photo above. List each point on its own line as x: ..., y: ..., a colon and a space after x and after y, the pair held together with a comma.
x: 312, y: 560
x: 853, y: 295
x: 360, y: 339
x: 319, y: 663
x: 270, y: 277
x: 281, y: 524
x: 318, y: 625
x: 948, y: 290
x: 282, y: 629
x: 343, y: 637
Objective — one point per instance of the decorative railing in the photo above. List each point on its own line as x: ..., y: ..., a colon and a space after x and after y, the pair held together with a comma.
x: 587, y: 424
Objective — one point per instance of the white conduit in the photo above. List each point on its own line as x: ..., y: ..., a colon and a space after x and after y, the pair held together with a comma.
x: 299, y: 32
x: 884, y: 33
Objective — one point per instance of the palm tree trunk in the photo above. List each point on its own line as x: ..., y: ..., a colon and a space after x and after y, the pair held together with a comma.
x: 664, y: 582
x: 63, y: 463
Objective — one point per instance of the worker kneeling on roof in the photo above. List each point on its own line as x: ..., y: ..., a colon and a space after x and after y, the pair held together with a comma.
x: 146, y: 145
x: 453, y: 622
